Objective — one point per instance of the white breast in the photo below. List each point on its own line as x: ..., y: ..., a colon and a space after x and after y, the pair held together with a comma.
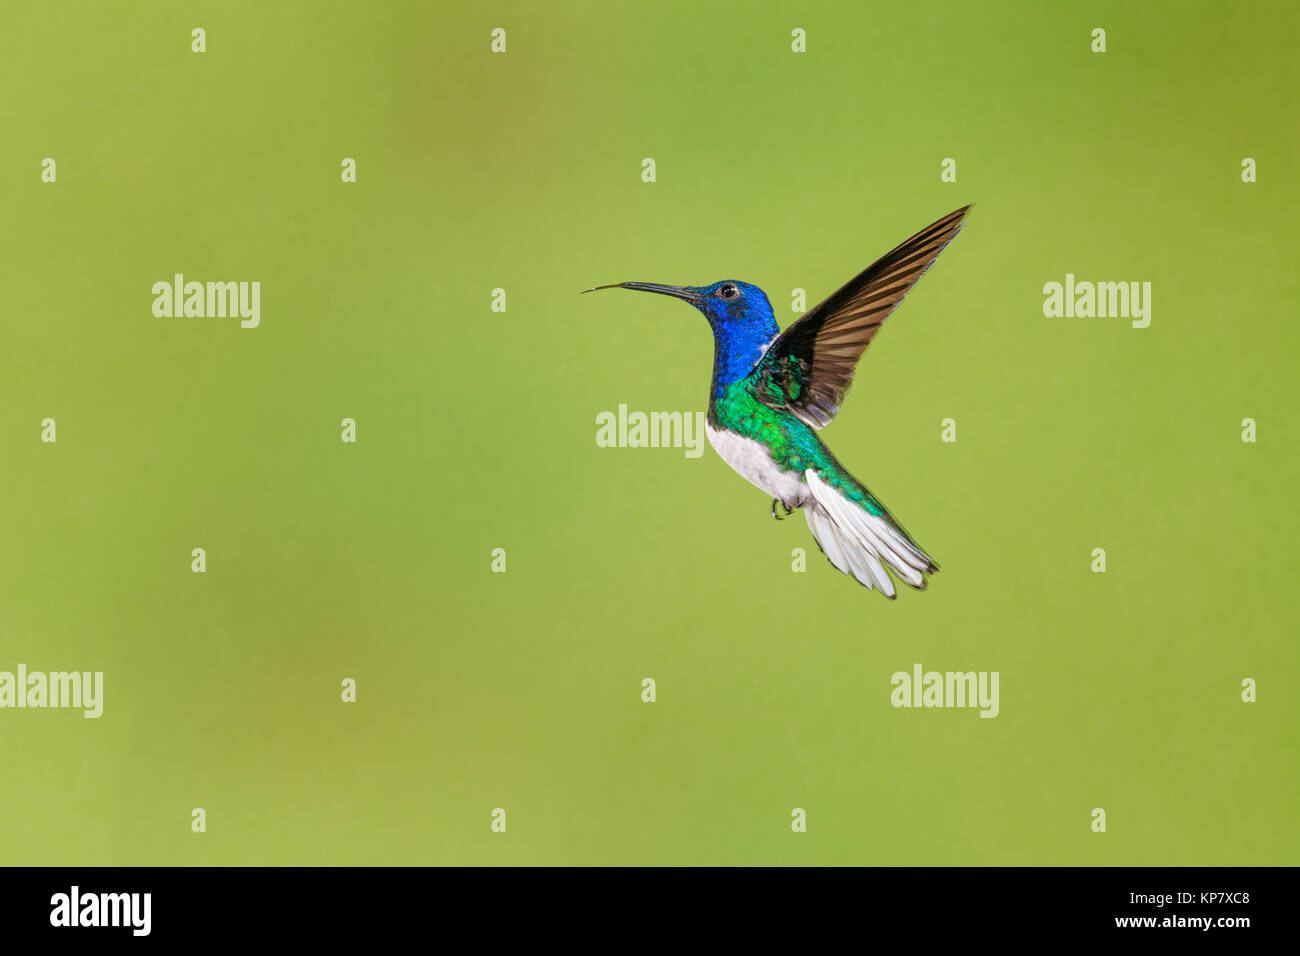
x: 752, y: 462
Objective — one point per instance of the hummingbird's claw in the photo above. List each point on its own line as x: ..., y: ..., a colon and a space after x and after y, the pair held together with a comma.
x: 788, y: 510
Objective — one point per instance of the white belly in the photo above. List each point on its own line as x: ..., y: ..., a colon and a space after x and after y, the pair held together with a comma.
x: 753, y: 463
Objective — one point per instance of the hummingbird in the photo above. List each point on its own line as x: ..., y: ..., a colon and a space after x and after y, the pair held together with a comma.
x: 773, y: 391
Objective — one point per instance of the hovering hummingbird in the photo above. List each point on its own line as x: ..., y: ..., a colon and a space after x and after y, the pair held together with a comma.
x: 772, y: 392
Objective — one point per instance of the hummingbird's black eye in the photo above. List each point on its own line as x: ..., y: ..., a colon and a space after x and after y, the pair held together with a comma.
x: 728, y: 291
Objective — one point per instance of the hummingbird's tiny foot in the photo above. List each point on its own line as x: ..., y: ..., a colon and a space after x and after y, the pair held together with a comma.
x: 788, y: 510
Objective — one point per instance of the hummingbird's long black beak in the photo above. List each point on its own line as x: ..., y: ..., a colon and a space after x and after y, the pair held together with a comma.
x: 674, y: 290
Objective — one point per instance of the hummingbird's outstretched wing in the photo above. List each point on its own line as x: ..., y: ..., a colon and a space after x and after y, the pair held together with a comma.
x: 809, y: 367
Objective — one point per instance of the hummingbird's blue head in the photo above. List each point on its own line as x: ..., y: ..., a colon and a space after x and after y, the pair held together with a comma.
x: 731, y: 303
x: 739, y: 314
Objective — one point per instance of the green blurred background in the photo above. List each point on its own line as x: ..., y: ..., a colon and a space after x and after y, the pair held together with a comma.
x: 476, y: 430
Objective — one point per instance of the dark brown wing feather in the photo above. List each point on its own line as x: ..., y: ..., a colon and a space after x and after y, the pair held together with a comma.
x: 809, y: 368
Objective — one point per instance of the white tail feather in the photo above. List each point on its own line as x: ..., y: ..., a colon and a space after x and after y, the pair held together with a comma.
x: 857, y: 541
